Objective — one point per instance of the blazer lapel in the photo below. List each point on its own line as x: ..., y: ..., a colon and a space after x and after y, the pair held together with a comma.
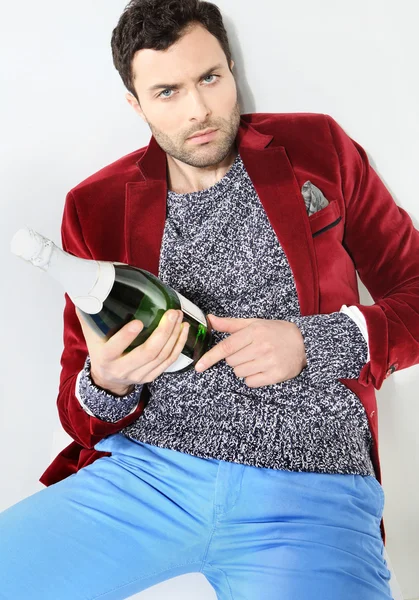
x: 274, y: 180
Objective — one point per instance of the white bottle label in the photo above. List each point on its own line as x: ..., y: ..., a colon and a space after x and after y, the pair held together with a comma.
x: 191, y: 309
x: 180, y: 363
x: 195, y: 312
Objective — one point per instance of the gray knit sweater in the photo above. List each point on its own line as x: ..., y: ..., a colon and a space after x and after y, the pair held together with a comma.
x: 220, y: 251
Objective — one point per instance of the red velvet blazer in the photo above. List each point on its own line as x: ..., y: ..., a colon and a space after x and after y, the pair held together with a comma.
x: 118, y: 214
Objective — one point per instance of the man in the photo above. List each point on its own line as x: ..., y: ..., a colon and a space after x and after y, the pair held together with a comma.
x: 261, y: 471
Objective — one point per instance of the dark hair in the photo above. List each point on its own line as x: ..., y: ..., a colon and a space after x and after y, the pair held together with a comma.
x: 157, y: 24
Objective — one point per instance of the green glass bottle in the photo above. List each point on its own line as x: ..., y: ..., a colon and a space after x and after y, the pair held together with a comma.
x: 110, y: 294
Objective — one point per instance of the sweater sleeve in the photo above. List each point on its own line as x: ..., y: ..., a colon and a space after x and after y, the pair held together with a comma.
x: 358, y: 317
x: 335, y: 346
x: 101, y: 403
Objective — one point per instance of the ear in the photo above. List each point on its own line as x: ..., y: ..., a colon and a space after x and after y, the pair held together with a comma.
x: 231, y: 64
x: 132, y: 100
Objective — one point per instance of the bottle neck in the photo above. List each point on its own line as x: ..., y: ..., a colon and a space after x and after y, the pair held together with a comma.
x: 87, y: 282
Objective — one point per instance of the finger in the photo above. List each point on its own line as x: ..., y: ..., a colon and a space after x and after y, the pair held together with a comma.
x: 158, y: 339
x: 116, y: 345
x: 229, y: 324
x: 168, y: 347
x: 252, y: 367
x: 174, y: 355
x: 260, y: 380
x: 226, y: 347
x: 149, y: 351
x: 244, y: 355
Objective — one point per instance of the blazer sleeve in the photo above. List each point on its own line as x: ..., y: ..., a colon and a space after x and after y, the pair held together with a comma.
x: 85, y: 429
x: 384, y: 246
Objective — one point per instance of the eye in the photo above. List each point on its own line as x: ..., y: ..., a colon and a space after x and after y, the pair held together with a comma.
x: 163, y: 95
x: 168, y: 90
x: 210, y: 76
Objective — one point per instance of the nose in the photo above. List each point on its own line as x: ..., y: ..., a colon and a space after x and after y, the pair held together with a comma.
x: 198, y: 110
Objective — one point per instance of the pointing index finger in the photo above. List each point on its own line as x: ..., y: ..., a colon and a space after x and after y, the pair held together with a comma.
x: 226, y: 347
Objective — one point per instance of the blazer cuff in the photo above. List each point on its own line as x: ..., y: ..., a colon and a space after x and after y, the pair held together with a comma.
x: 335, y: 347
x: 100, y: 403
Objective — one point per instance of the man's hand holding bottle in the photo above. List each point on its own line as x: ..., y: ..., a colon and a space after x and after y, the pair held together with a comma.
x: 117, y: 372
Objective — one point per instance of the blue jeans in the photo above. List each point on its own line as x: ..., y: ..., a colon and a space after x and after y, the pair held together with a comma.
x: 147, y: 514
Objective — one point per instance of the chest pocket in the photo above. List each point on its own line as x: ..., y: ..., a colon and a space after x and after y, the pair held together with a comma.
x: 325, y: 218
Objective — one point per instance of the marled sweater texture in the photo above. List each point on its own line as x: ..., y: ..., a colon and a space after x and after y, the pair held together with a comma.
x: 219, y: 250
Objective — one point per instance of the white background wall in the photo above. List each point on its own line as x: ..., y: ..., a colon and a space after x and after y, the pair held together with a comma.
x: 64, y: 116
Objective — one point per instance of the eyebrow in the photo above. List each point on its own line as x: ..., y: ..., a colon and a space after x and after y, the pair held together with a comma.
x: 173, y: 86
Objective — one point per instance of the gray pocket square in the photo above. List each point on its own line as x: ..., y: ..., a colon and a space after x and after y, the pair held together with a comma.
x: 313, y: 197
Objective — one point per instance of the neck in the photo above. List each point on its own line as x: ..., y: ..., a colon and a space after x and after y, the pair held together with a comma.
x: 186, y: 179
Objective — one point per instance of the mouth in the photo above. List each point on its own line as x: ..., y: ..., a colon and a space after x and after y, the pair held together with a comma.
x: 207, y: 136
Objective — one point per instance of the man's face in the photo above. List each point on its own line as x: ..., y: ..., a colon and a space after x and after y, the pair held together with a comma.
x: 204, y: 97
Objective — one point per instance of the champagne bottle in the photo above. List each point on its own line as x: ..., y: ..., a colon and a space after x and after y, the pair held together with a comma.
x: 110, y: 294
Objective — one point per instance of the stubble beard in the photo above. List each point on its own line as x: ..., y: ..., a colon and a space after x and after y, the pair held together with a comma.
x: 202, y: 155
